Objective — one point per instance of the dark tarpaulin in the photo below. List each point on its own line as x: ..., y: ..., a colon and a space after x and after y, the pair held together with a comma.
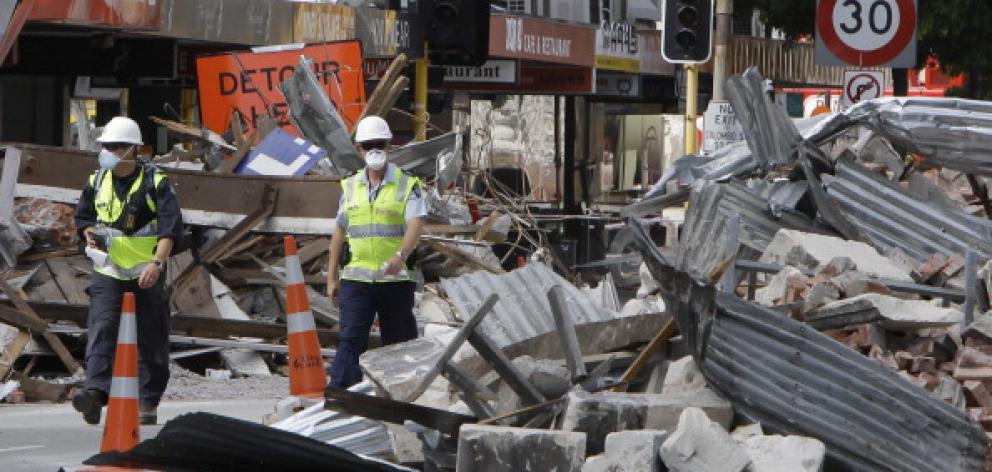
x: 208, y: 442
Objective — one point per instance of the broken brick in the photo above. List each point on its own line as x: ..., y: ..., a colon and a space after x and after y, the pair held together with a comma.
x: 928, y: 269
x: 977, y: 393
x: 923, y: 364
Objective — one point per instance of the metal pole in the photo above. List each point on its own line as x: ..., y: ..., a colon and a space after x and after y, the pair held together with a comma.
x: 420, y: 99
x: 691, y: 104
x: 724, y: 12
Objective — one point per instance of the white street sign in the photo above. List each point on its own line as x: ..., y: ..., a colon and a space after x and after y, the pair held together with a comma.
x: 861, y: 85
x: 720, y: 126
x: 498, y: 71
x: 866, y: 33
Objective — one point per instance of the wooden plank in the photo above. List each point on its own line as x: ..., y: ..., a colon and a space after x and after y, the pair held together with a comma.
x: 659, y: 340
x: 38, y: 390
x: 229, y: 343
x: 461, y: 257
x: 487, y: 226
x: 12, y: 350
x: 240, y: 143
x: 22, y: 304
x: 392, y: 411
x: 504, y: 367
x: 66, y: 280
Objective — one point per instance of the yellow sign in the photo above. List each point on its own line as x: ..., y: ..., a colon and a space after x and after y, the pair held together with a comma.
x: 621, y: 64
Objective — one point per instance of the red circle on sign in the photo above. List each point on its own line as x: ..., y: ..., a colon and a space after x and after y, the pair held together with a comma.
x: 849, y: 92
x: 875, y: 57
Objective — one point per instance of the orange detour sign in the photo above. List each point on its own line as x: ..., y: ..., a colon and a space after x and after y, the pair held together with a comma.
x: 249, y: 82
x: 307, y: 377
x: 121, y: 430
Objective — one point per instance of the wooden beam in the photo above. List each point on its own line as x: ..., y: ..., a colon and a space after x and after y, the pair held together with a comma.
x: 66, y: 280
x: 21, y: 303
x: 667, y: 331
x: 460, y: 257
x: 392, y: 411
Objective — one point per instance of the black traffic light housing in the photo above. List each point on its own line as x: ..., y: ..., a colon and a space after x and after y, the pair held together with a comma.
x: 457, y: 31
x: 687, y: 37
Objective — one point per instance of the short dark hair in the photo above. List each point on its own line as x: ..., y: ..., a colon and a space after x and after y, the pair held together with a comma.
x: 369, y: 145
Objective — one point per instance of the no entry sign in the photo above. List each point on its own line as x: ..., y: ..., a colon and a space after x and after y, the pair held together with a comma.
x: 861, y: 85
x: 866, y: 33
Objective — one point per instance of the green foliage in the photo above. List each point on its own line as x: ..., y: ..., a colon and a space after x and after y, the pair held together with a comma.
x: 956, y: 32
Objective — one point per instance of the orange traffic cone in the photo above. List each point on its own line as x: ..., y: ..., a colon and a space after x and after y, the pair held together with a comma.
x: 121, y: 430
x: 307, y: 377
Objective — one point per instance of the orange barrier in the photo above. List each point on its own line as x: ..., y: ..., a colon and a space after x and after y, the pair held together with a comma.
x: 307, y: 377
x: 121, y: 430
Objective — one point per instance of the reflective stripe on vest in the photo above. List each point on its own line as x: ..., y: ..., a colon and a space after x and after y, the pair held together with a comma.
x: 127, y: 254
x: 375, y: 229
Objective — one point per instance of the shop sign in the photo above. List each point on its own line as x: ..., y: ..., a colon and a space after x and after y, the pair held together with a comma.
x: 375, y: 67
x: 499, y: 71
x: 618, y: 85
x: 650, y: 55
x: 617, y: 47
x: 540, y: 40
x: 249, y: 82
x: 317, y: 22
x: 388, y: 33
x: 720, y: 127
x: 257, y: 22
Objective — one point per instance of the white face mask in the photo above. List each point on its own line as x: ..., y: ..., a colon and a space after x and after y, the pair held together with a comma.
x: 375, y: 159
x: 108, y: 160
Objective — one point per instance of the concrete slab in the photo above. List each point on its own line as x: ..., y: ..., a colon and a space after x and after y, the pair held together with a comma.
x: 504, y: 449
x: 904, y: 315
x: 784, y: 454
x: 700, y: 445
x: 809, y: 251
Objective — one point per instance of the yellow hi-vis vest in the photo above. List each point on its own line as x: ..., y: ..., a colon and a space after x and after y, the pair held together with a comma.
x: 127, y: 254
x: 375, y: 229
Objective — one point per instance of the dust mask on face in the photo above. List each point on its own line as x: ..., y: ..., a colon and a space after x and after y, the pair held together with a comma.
x: 108, y: 160
x: 375, y: 159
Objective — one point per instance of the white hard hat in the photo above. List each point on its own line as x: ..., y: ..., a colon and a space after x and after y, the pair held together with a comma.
x: 372, y: 128
x: 121, y: 129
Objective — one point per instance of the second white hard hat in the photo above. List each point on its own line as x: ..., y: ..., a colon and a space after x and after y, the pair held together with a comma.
x: 372, y: 128
x: 121, y: 129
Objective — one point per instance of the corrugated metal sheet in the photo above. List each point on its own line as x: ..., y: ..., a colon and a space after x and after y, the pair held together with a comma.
x: 770, y: 133
x: 523, y: 311
x: 702, y: 245
x: 795, y: 380
x: 946, y: 132
x: 890, y: 217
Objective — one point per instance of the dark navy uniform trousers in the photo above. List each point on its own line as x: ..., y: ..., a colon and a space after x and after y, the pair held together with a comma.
x: 106, y: 295
x: 359, y: 303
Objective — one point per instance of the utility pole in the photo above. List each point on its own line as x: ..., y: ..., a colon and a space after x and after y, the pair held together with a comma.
x: 724, y: 22
x: 420, y: 98
x: 691, y: 105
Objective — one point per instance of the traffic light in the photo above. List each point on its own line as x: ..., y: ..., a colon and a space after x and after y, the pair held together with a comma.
x: 687, y: 36
x: 457, y: 31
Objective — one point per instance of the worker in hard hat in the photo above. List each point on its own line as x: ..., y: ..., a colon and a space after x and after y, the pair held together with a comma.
x: 130, y: 219
x: 381, y: 216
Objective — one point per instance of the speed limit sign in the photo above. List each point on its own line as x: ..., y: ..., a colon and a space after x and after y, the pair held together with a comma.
x: 866, y: 33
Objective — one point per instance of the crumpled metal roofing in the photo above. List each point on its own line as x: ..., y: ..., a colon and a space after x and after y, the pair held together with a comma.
x: 890, y: 217
x: 319, y: 121
x: 352, y: 433
x: 440, y: 157
x: 523, y: 311
x: 947, y: 132
x: 770, y: 134
x: 702, y: 245
x: 795, y: 380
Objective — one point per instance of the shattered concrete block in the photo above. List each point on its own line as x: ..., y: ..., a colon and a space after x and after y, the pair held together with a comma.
x: 598, y: 414
x: 950, y: 391
x: 854, y: 283
x: 682, y: 377
x: 784, y: 454
x: 836, y: 266
x: 977, y: 393
x: 820, y: 294
x: 431, y: 308
x: 700, y: 445
x: 629, y: 451
x: 903, y: 315
x: 741, y: 433
x: 550, y: 378
x: 809, y: 251
x: 980, y: 329
x: 503, y: 449
x: 777, y: 287
x: 648, y: 284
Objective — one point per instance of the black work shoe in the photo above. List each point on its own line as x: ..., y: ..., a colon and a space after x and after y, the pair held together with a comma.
x: 147, y: 414
x: 90, y: 404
